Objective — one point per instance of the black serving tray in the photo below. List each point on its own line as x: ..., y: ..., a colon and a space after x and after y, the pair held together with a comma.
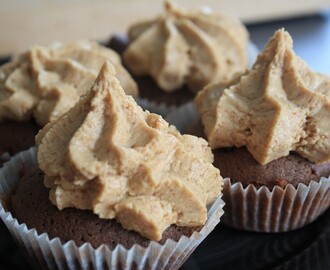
x: 227, y: 248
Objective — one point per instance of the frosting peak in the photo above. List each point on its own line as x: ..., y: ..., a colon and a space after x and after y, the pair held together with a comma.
x: 46, y: 81
x: 108, y: 155
x: 278, y: 106
x: 187, y: 47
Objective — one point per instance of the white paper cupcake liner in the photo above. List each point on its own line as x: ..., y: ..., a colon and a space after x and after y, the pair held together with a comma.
x: 279, y: 210
x: 52, y: 254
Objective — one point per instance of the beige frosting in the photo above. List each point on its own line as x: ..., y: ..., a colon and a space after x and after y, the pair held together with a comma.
x: 187, y: 47
x: 278, y: 106
x: 108, y: 155
x: 46, y: 81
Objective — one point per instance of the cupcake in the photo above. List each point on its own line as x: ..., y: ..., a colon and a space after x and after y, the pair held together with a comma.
x: 40, y: 84
x: 111, y: 185
x: 270, y: 134
x: 175, y: 55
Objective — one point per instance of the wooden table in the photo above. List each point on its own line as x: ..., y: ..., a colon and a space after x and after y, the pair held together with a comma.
x: 27, y: 22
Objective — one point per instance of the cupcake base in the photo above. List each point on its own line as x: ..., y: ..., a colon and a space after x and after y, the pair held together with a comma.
x: 283, y: 195
x: 279, y: 210
x: 53, y: 253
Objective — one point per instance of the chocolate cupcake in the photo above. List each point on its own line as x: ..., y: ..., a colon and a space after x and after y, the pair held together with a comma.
x: 182, y: 51
x: 107, y: 161
x: 269, y: 131
x: 40, y: 84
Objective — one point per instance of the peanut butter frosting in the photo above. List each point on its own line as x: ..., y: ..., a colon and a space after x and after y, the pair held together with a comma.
x: 108, y: 155
x: 44, y: 82
x: 278, y: 106
x: 187, y: 47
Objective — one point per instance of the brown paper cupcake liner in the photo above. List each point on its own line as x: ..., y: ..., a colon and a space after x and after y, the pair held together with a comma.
x: 53, y: 254
x: 279, y: 210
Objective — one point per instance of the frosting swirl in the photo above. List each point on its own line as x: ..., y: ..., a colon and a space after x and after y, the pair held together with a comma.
x: 278, y: 106
x: 108, y: 155
x: 46, y: 81
x: 187, y: 47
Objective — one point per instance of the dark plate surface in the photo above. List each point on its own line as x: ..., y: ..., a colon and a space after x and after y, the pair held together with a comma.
x: 226, y: 248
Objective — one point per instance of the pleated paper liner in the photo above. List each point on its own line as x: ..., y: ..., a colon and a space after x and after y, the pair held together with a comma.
x: 279, y: 210
x: 53, y: 254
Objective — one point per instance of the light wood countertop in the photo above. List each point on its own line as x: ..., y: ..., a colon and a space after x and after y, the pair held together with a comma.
x: 24, y: 23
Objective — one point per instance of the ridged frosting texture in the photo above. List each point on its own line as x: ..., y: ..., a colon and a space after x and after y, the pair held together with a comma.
x: 187, y: 47
x: 108, y: 155
x: 278, y: 106
x: 44, y: 82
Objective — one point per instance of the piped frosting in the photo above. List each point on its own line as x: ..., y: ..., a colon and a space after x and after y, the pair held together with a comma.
x: 44, y: 82
x: 108, y: 155
x: 187, y: 47
x: 278, y: 106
